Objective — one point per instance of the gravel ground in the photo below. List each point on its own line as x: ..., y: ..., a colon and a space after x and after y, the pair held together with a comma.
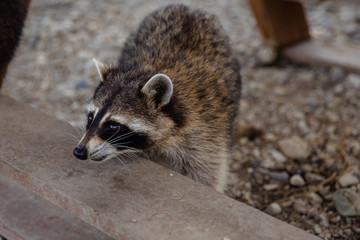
x: 298, y: 150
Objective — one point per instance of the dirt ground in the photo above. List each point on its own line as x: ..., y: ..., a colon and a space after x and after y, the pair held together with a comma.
x: 298, y: 158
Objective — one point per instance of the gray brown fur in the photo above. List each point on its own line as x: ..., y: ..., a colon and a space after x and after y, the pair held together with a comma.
x: 194, y: 130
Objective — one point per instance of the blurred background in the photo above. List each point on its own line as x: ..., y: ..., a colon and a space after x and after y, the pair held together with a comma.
x: 315, y: 109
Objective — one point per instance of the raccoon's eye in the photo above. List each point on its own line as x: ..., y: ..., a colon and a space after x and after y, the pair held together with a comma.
x: 89, y: 120
x: 111, y: 127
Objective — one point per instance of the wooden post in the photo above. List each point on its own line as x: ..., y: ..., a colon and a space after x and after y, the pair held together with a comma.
x: 280, y: 22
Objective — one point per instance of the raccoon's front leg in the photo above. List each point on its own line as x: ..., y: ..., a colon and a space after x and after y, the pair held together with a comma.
x: 210, y: 169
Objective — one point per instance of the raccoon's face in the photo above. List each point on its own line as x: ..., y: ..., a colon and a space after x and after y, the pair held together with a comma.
x: 126, y: 116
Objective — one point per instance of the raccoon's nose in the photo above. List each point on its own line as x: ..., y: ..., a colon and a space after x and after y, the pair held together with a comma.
x: 80, y: 153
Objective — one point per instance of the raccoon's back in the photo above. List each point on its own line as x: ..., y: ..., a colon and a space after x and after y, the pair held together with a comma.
x: 172, y: 33
x: 192, y: 48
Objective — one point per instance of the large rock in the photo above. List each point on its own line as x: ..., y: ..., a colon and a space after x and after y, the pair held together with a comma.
x: 347, y: 202
x: 294, y: 148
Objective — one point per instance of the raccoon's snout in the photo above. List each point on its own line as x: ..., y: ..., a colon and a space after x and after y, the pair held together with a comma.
x: 80, y: 153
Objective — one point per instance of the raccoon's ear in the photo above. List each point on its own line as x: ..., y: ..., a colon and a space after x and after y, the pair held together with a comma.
x: 100, y: 67
x: 159, y: 89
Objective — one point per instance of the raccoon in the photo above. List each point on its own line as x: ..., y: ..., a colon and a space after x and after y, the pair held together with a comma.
x: 12, y: 17
x: 173, y: 95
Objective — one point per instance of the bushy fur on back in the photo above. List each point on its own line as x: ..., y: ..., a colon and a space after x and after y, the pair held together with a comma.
x: 193, y: 130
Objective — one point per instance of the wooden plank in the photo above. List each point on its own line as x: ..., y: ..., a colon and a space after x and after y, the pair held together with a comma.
x: 25, y: 215
x: 137, y: 200
x: 315, y: 52
x: 280, y: 22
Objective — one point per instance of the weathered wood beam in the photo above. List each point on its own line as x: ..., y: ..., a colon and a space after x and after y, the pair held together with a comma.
x: 318, y: 53
x: 137, y: 200
x: 25, y: 215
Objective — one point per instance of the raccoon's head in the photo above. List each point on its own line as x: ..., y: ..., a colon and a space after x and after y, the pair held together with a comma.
x: 130, y: 112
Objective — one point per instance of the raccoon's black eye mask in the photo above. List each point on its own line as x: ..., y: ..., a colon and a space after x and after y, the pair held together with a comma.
x: 111, y: 127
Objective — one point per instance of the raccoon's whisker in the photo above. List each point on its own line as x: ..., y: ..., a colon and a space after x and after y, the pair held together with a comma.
x: 124, y: 143
x: 120, y: 137
x: 116, y: 140
x: 117, y: 157
x: 121, y: 144
x: 142, y: 154
x: 74, y: 137
x: 78, y: 130
x: 107, y: 140
x: 98, y: 150
x: 124, y: 146
x: 137, y: 157
x: 128, y: 134
x: 110, y: 140
x: 131, y: 155
x: 82, y: 128
x: 95, y: 154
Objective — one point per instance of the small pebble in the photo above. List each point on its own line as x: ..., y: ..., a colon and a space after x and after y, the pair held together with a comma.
x: 335, y: 219
x: 297, y: 181
x: 313, y: 178
x: 273, y: 209
x: 348, y: 180
x: 287, y: 203
x: 347, y: 231
x: 306, y: 167
x: 317, y: 229
x: 315, y: 198
x: 278, y: 156
x: 324, y: 191
x: 294, y: 148
x: 280, y: 176
x: 337, y: 74
x: 267, y: 163
x: 353, y: 80
x: 339, y: 89
x: 271, y: 187
x: 354, y: 148
x: 300, y: 206
x: 323, y: 220
x: 269, y: 137
x: 266, y: 55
